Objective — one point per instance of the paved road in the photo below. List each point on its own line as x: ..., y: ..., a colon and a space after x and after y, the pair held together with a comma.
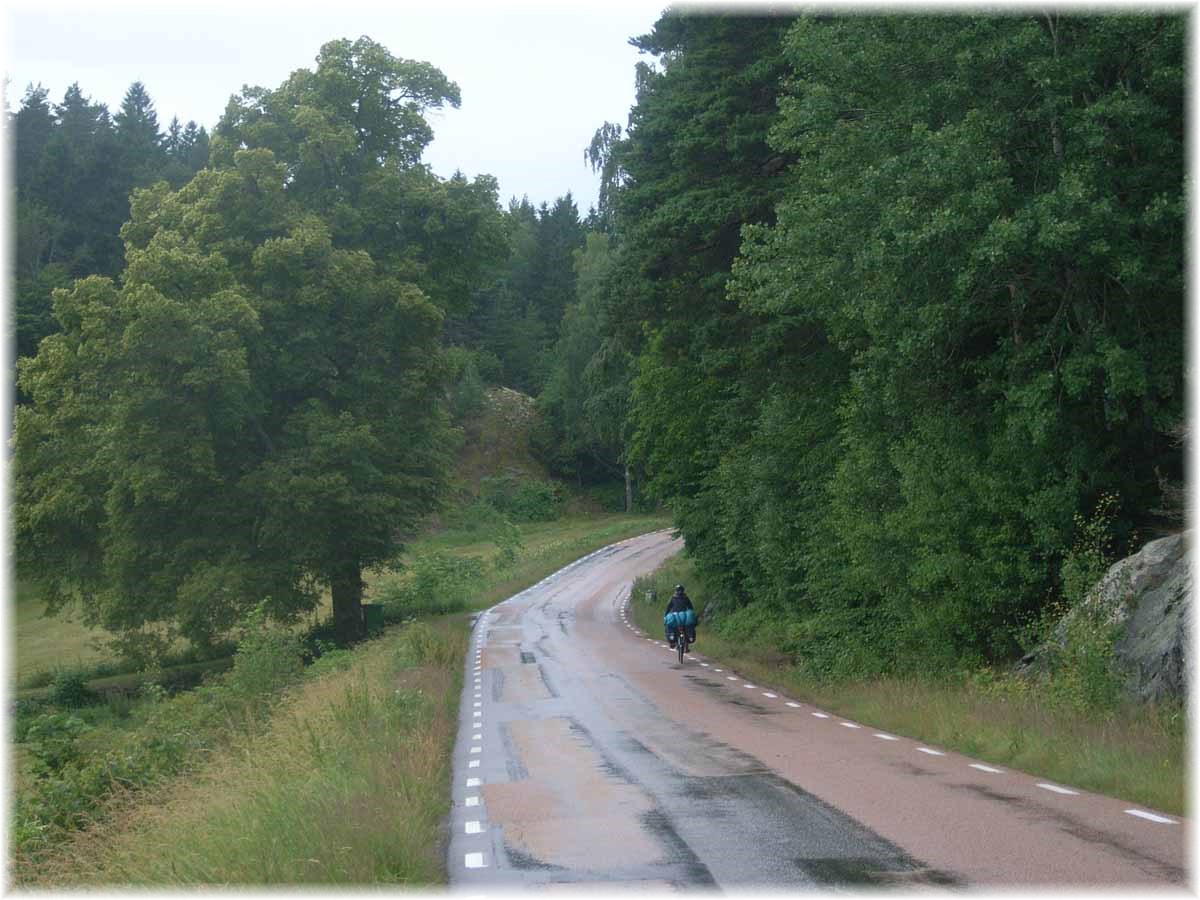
x: 588, y: 756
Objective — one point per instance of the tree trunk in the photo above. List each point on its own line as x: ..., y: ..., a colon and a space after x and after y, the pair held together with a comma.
x: 628, y: 491
x: 346, y: 586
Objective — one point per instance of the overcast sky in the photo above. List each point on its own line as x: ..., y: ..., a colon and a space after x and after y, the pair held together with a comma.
x: 537, y: 80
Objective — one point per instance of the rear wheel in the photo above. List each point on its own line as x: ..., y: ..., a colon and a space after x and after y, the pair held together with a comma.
x: 680, y: 643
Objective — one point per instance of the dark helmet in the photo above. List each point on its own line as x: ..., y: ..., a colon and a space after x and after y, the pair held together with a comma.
x: 679, y: 588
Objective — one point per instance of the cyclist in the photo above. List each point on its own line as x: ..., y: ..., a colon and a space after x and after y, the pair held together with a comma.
x: 679, y: 602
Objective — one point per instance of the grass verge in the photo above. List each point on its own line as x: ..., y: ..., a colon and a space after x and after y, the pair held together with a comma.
x: 346, y: 785
x: 1135, y: 753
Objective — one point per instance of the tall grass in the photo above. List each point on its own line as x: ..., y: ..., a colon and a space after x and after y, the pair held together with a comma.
x: 348, y: 785
x: 1137, y: 753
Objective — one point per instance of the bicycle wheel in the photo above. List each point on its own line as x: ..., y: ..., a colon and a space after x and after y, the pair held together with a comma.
x: 681, y: 643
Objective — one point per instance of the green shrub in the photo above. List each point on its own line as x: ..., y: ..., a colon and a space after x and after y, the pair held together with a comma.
x: 70, y: 691
x: 1077, y: 635
x: 267, y: 658
x: 51, y: 739
x: 436, y: 582
x: 523, y: 499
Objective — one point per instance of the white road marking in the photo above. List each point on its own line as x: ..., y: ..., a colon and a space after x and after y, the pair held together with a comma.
x: 751, y: 686
x: 930, y: 752
x: 473, y: 782
x: 478, y: 714
x: 718, y: 670
x: 1056, y: 789
x: 886, y: 737
x: 704, y: 664
x: 731, y: 678
x: 473, y: 828
x: 473, y: 801
x: 1151, y: 817
x: 793, y: 705
x: 982, y: 768
x: 478, y: 736
x: 475, y: 750
x: 474, y: 861
x: 478, y: 703
x: 849, y: 725
x: 473, y: 764
x: 769, y: 694
x: 821, y: 715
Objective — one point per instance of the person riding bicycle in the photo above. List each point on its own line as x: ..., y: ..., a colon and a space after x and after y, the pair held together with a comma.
x: 680, y: 602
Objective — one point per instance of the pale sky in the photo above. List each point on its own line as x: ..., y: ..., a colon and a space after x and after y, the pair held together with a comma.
x: 537, y: 80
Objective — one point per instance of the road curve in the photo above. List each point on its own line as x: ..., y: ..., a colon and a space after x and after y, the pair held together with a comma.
x: 588, y: 756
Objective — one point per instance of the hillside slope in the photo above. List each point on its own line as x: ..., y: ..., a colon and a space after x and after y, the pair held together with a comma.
x: 496, y: 441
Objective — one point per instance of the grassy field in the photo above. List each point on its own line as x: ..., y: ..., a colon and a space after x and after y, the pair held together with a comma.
x: 346, y: 783
x: 44, y: 644
x: 1135, y: 753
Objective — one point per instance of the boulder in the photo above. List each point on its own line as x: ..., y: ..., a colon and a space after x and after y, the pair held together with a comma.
x: 1150, y: 594
x: 1148, y: 597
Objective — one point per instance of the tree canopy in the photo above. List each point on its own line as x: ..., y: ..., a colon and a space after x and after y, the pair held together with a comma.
x: 256, y: 409
x: 905, y: 295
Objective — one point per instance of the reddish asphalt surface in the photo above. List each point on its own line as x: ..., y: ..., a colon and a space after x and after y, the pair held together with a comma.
x: 589, y: 757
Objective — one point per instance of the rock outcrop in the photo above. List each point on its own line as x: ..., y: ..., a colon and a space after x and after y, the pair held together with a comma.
x: 1150, y: 594
x: 1148, y: 597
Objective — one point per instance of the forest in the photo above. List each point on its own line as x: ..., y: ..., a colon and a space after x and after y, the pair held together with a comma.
x: 880, y: 308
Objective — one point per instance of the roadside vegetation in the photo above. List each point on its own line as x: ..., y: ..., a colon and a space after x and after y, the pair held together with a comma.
x: 1067, y: 725
x: 274, y: 772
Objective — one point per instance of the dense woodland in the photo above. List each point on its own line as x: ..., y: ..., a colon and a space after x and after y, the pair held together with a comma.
x: 880, y: 307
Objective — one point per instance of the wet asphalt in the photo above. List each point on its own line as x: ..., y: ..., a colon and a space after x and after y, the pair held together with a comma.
x: 565, y: 773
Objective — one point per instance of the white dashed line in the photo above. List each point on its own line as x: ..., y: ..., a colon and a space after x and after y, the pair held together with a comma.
x: 1151, y: 817
x: 1056, y: 789
x: 769, y: 694
x: 473, y: 782
x: 473, y: 764
x: 930, y: 752
x: 982, y: 768
x: 750, y: 686
x: 478, y: 714
x: 478, y: 703
x: 474, y: 861
x: 885, y: 737
x: 718, y: 670
x: 821, y: 715
x: 472, y: 801
x: 473, y: 828
x: 478, y: 736
x: 475, y: 750
x: 793, y: 705
x: 849, y: 725
x: 704, y: 664
x: 731, y: 678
